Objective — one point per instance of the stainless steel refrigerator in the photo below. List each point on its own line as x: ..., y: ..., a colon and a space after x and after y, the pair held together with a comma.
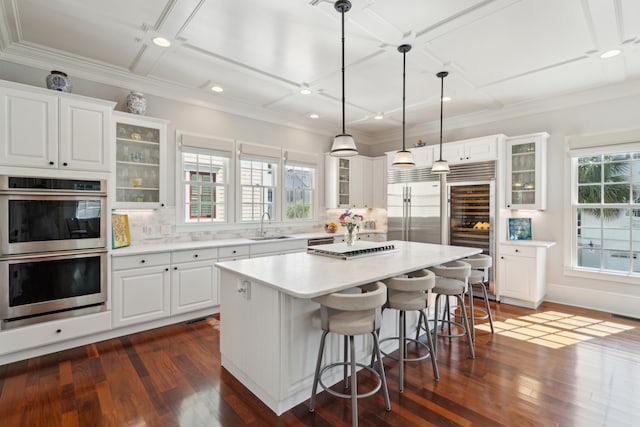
x: 413, y: 210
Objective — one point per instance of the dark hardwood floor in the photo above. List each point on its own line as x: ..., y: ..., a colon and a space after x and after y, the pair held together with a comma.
x: 556, y: 366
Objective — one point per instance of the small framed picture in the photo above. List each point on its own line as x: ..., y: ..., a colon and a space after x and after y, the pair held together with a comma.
x: 519, y: 228
x: 120, y: 231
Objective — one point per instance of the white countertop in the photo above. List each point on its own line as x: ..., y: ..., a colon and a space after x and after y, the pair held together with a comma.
x: 541, y: 243
x: 305, y: 275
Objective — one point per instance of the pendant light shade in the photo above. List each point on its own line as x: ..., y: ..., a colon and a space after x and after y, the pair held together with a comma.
x: 441, y: 166
x: 343, y: 144
x: 403, y: 158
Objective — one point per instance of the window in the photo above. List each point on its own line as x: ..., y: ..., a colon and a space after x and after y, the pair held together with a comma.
x: 258, y: 181
x: 606, y: 212
x: 299, y: 188
x: 205, y: 183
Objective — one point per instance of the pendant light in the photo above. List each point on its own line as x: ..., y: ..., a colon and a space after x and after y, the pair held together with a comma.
x: 343, y: 144
x: 403, y: 158
x: 441, y: 166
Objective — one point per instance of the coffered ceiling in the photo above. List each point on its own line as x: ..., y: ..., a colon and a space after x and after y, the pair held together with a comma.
x: 501, y: 54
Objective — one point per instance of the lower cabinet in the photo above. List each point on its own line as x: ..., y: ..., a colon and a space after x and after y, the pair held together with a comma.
x: 194, y: 280
x: 522, y: 274
x: 140, y: 288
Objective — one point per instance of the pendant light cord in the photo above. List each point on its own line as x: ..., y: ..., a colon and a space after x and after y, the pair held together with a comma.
x: 343, y: 99
x: 442, y: 76
x: 404, y: 67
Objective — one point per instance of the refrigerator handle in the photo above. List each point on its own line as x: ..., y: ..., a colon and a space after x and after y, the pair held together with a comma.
x: 404, y: 211
x: 408, y: 214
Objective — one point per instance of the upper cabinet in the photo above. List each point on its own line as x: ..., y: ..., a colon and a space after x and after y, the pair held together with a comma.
x: 526, y: 171
x: 140, y: 161
x: 470, y: 150
x: 348, y: 182
x: 379, y: 182
x: 53, y: 130
x: 422, y: 156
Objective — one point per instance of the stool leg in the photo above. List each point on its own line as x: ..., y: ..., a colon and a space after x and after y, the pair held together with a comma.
x: 421, y: 315
x: 346, y: 355
x: 385, y: 390
x: 316, y: 377
x: 434, y: 364
x: 354, y: 384
x: 465, y: 321
x: 487, y: 306
x: 402, y: 350
x: 471, y: 313
x: 435, y: 326
x: 448, y: 309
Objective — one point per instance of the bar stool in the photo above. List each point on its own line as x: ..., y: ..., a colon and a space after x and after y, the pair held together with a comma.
x: 351, y: 314
x: 411, y: 294
x: 480, y: 264
x: 451, y: 281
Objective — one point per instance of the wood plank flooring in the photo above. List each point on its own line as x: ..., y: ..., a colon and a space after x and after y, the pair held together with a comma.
x: 556, y: 366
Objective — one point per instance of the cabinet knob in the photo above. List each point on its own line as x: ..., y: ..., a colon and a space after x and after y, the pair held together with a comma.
x: 517, y: 250
x: 166, y: 269
x: 162, y: 204
x: 65, y: 164
x: 508, y: 206
x: 234, y: 252
x: 175, y: 268
x: 195, y: 256
x: 142, y: 261
x: 58, y: 331
x: 51, y: 163
x: 501, y: 257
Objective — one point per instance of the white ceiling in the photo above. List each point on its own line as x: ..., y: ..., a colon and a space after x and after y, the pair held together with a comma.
x: 501, y: 54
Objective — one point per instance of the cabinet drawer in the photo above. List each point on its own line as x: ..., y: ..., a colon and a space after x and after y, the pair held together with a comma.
x: 143, y: 260
x: 233, y: 251
x: 524, y: 251
x: 194, y: 255
x: 54, y: 331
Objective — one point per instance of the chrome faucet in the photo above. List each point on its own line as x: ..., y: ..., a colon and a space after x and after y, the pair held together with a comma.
x: 262, y: 222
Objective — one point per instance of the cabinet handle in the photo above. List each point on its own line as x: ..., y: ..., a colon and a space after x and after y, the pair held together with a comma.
x: 51, y: 163
x: 195, y: 256
x: 234, y: 252
x: 58, y: 331
x: 508, y: 206
x: 142, y: 261
x: 175, y: 268
x: 517, y: 251
x: 166, y: 269
x: 65, y: 164
x: 162, y: 204
x: 501, y: 257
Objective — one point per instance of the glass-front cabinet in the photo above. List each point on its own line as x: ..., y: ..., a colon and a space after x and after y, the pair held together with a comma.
x: 344, y: 190
x: 526, y: 172
x: 140, y: 161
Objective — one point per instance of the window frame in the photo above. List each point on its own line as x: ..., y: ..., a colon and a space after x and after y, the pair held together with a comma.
x: 313, y: 189
x: 571, y: 265
x: 276, y: 189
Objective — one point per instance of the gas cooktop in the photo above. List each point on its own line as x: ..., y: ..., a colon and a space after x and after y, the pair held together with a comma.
x: 359, y: 250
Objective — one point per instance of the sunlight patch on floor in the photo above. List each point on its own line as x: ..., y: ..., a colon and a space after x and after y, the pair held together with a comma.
x: 554, y: 329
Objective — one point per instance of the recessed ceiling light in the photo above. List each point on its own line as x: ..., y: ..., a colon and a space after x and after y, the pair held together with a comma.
x: 610, y: 53
x: 446, y: 99
x: 217, y: 88
x: 161, y: 41
x: 313, y: 116
x: 305, y: 91
x: 378, y: 116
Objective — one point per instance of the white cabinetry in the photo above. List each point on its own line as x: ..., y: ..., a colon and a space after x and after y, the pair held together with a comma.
x: 348, y: 182
x: 472, y: 150
x: 51, y: 130
x: 522, y: 273
x: 278, y: 247
x: 422, y: 156
x: 369, y: 237
x: 194, y: 280
x: 139, y: 161
x: 140, y: 288
x: 526, y: 174
x: 379, y: 182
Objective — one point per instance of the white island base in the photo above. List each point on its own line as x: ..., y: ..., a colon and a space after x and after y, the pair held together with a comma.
x: 267, y: 338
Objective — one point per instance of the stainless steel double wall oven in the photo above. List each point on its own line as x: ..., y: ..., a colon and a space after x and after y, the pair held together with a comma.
x: 53, y: 248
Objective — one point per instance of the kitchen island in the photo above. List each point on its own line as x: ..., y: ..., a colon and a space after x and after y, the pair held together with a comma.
x: 267, y: 338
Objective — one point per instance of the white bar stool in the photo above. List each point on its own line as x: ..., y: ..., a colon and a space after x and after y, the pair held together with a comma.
x: 451, y: 280
x: 480, y: 264
x: 352, y: 314
x: 411, y: 294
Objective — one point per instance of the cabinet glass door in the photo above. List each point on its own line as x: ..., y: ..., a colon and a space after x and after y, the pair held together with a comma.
x: 343, y: 182
x: 137, y: 164
x: 523, y: 174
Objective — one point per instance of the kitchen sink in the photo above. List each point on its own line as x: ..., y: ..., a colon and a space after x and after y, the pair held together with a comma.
x: 269, y: 238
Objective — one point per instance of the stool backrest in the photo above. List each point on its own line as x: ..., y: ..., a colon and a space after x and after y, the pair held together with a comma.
x: 453, y: 270
x: 479, y: 261
x: 421, y: 281
x: 373, y: 296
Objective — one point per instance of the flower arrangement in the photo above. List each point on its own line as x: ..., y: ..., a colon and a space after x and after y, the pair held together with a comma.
x: 331, y: 227
x: 350, y: 220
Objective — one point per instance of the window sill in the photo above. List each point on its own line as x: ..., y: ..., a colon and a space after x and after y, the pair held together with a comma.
x: 602, y: 275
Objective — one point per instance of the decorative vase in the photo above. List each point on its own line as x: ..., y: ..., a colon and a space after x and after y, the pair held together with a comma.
x: 350, y: 237
x: 59, y: 81
x: 136, y: 103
